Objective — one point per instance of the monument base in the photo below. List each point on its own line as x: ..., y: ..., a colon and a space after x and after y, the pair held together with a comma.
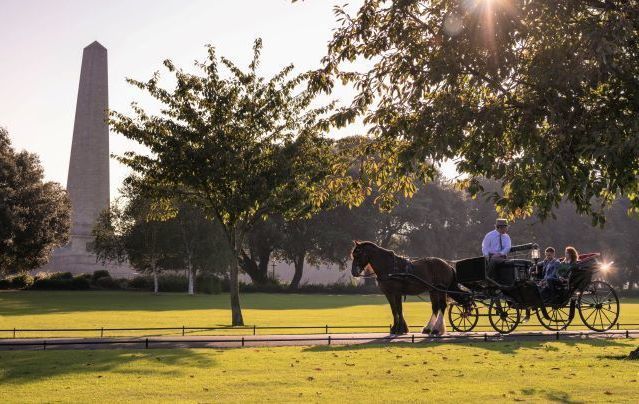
x: 75, y: 258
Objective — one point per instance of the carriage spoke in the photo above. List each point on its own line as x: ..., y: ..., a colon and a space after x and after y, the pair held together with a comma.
x: 604, y: 314
x: 589, y: 315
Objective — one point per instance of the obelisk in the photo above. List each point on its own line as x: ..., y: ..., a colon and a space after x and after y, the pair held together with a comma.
x: 88, y: 178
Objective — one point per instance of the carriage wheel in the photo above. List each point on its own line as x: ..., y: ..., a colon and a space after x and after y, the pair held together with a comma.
x: 559, y: 318
x: 502, y: 316
x: 463, y: 318
x: 598, y: 306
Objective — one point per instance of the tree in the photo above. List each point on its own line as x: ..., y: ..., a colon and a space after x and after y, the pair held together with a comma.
x: 540, y: 95
x: 129, y: 232
x: 201, y: 247
x: 234, y: 144
x: 35, y: 216
x: 262, y: 240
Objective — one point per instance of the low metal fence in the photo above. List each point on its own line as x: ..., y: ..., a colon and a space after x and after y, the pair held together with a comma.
x: 103, y: 332
x: 148, y: 343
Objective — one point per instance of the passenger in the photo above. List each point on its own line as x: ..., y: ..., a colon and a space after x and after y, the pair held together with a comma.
x: 556, y: 279
x: 571, y: 256
x: 548, y: 267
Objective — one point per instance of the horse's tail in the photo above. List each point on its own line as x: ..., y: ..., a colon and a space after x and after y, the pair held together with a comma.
x: 457, y: 294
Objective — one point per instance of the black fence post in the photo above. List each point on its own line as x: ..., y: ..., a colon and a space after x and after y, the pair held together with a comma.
x: 254, y: 328
x: 412, y: 338
x: 242, y: 341
x: 627, y: 334
x: 485, y: 337
x: 44, y: 345
x: 14, y: 333
x: 182, y: 330
x: 329, y: 340
x: 557, y: 335
x: 146, y: 344
x: 326, y: 328
x: 102, y: 332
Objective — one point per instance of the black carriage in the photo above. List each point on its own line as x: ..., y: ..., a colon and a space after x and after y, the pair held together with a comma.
x: 508, y: 288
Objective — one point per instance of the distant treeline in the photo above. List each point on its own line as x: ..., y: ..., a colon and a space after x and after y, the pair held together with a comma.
x: 438, y: 220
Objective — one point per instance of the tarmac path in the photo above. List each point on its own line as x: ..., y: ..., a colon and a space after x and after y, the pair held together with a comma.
x: 297, y: 340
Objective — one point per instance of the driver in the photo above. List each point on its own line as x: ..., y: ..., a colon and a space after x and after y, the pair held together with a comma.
x: 496, y: 243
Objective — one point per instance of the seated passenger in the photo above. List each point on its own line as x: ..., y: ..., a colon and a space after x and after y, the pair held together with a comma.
x: 548, y: 267
x: 567, y: 264
x: 555, y: 279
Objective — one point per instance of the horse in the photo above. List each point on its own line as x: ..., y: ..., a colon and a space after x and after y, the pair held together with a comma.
x: 437, y: 275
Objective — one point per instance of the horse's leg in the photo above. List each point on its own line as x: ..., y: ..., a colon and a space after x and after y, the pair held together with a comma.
x: 391, y: 300
x: 429, y: 326
x: 440, y: 324
x: 402, y: 327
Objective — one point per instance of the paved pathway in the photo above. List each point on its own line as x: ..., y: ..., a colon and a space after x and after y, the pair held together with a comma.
x: 295, y: 340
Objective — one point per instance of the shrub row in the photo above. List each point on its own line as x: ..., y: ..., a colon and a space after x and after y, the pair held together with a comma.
x: 205, y: 283
x: 102, y: 280
x: 335, y: 288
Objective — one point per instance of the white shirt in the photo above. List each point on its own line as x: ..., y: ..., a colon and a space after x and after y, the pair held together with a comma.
x: 492, y: 244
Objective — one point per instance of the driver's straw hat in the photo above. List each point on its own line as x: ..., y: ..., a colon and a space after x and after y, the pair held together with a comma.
x: 501, y: 222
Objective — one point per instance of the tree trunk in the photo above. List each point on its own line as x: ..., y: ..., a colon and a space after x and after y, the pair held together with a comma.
x: 190, y: 274
x: 156, y: 283
x: 262, y: 265
x: 299, y: 269
x: 234, y: 285
x: 255, y: 270
x: 191, y: 281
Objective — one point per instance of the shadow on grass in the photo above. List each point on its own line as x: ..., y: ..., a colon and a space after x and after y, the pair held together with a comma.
x: 20, y: 303
x: 503, y: 347
x: 20, y: 367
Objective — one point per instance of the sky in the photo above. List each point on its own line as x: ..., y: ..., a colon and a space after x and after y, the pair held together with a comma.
x: 41, y: 46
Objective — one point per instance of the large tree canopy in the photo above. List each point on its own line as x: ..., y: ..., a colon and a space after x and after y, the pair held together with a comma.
x: 542, y: 95
x: 34, y: 215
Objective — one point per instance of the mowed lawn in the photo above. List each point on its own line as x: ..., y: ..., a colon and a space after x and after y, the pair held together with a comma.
x: 96, y: 309
x: 570, y: 372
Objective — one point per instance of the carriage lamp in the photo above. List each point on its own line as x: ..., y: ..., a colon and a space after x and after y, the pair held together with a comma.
x: 534, y: 253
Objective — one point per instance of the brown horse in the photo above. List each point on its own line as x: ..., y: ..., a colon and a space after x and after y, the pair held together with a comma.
x: 398, y: 276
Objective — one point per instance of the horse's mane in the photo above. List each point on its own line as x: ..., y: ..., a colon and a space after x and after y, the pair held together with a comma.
x: 370, y: 243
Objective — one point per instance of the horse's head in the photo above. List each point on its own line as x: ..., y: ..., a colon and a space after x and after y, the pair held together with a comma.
x: 361, y: 258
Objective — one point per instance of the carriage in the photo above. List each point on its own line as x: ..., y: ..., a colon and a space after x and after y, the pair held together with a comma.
x: 502, y: 292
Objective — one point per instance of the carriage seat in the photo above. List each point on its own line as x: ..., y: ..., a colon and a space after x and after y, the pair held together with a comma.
x: 508, y: 272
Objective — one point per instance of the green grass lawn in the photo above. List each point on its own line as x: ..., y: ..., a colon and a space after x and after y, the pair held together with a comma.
x: 138, y: 309
x: 569, y: 372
